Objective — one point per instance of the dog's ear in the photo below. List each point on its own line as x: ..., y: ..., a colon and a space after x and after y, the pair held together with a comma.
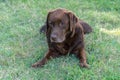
x: 72, y: 22
x: 45, y: 27
x: 86, y: 27
x: 47, y: 22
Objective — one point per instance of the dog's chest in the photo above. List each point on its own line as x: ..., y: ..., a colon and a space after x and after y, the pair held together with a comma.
x: 63, y: 48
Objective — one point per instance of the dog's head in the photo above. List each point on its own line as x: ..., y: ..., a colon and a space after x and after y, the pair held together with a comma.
x: 60, y: 22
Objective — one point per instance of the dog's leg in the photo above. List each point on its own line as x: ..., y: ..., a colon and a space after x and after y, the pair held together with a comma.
x: 82, y: 56
x: 47, y: 57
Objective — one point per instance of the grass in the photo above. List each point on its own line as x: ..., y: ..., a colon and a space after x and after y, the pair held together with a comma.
x: 21, y: 44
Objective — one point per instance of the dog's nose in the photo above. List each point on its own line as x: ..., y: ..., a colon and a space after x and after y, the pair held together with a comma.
x: 53, y: 37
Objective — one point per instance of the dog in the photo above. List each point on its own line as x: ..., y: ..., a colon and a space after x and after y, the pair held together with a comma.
x: 65, y: 35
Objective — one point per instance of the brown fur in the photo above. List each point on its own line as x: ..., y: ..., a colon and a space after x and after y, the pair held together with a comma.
x: 65, y: 35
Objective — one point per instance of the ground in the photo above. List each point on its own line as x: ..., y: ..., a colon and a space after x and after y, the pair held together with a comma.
x: 21, y: 44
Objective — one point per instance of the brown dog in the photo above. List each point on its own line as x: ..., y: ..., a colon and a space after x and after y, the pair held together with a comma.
x: 65, y: 35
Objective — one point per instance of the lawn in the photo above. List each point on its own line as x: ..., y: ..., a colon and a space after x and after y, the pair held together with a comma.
x: 21, y: 44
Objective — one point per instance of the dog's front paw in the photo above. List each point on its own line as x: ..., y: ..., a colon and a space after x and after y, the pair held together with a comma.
x: 84, y: 65
x: 37, y: 64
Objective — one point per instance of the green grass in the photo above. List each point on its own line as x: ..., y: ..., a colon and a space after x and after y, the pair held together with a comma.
x: 21, y: 44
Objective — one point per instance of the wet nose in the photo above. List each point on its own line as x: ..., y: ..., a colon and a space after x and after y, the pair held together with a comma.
x: 53, y: 37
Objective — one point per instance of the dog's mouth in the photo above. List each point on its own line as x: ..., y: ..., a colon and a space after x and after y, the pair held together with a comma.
x: 57, y: 40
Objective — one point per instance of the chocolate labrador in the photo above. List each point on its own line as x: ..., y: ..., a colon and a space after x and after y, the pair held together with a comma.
x: 65, y: 35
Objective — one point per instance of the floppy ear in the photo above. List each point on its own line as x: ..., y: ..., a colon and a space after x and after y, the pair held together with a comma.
x: 47, y: 26
x: 86, y: 27
x: 72, y: 22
